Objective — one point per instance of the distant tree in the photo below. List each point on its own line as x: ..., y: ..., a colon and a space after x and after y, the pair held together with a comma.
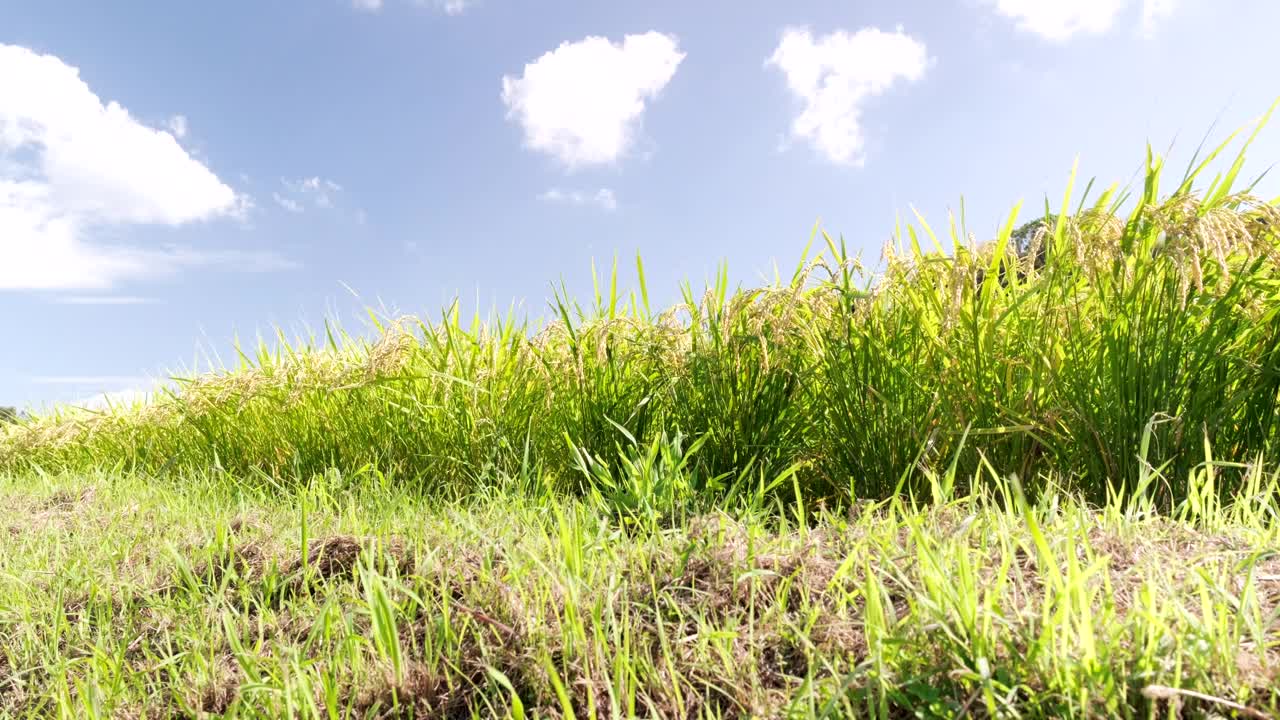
x: 8, y: 414
x: 1023, y: 241
x: 1024, y: 238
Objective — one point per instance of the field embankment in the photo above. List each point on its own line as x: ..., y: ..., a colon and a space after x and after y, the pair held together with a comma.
x: 123, y: 597
x: 1027, y: 477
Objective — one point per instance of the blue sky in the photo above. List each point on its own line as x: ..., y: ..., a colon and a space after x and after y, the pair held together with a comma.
x: 220, y: 169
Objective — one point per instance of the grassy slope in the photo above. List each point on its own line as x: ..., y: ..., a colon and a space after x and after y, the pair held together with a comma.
x: 630, y: 513
x: 124, y: 597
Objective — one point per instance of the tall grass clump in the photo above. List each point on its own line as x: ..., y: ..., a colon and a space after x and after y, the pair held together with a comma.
x: 1128, y: 335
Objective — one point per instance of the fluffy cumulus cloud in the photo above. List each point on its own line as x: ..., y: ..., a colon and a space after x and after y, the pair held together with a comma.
x: 602, y: 198
x: 834, y: 76
x: 71, y: 165
x: 583, y: 102
x: 1060, y: 20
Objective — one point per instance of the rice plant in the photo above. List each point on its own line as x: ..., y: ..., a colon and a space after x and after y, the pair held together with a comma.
x: 1057, y: 348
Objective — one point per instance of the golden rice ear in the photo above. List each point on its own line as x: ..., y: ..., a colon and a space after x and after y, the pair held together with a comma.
x: 392, y: 351
x: 1238, y: 228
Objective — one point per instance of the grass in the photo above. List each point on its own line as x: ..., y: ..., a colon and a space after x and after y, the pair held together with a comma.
x: 1028, y: 477
x: 126, y: 597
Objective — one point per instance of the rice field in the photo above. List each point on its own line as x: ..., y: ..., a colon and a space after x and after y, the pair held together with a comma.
x: 1022, y: 476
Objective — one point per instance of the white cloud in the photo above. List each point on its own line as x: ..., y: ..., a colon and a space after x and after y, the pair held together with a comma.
x: 42, y: 248
x: 836, y: 74
x: 71, y: 165
x: 454, y: 7
x: 605, y: 199
x: 104, y: 300
x: 99, y: 380
x: 100, y: 393
x: 116, y: 399
x: 449, y: 7
x: 1060, y: 20
x: 583, y: 102
x: 118, y: 392
x: 178, y: 126
x: 1154, y: 12
x: 602, y: 198
x: 245, y: 205
x: 313, y: 190
x: 103, y: 392
x: 287, y: 203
